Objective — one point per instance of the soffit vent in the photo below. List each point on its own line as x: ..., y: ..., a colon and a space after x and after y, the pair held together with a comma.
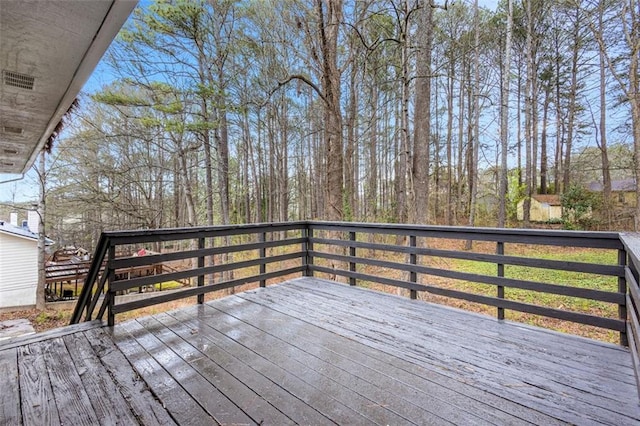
x: 15, y: 79
x: 12, y: 130
x: 7, y: 164
x: 10, y: 151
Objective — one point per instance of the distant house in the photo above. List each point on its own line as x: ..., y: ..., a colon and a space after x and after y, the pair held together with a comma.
x: 18, y: 262
x: 544, y: 208
x: 623, y: 191
x: 18, y: 266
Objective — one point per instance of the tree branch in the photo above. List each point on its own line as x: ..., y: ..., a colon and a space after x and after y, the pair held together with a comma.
x: 289, y: 79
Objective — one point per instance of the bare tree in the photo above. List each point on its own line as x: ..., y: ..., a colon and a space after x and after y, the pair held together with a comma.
x: 504, y: 119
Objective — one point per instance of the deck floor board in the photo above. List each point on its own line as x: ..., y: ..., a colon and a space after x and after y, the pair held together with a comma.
x: 513, y: 359
x: 272, y: 392
x: 108, y: 403
x: 37, y: 401
x: 430, y: 385
x: 10, y: 407
x: 466, y: 357
x: 311, y: 351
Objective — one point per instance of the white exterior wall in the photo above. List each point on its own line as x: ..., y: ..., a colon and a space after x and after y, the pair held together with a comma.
x: 18, y: 270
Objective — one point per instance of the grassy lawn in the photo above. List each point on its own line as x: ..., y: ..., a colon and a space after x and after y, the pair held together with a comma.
x: 548, y: 276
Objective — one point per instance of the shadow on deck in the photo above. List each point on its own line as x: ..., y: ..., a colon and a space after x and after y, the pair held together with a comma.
x: 311, y: 351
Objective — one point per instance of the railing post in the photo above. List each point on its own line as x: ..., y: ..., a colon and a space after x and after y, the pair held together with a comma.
x: 111, y: 320
x: 201, y: 244
x: 622, y: 288
x: 308, y: 250
x: 352, y: 253
x: 413, y: 259
x: 500, y: 251
x: 263, y: 256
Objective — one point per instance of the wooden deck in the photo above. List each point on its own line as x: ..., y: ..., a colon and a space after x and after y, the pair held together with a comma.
x: 314, y: 352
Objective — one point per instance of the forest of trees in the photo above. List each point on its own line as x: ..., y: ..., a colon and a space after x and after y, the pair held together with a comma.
x: 226, y: 111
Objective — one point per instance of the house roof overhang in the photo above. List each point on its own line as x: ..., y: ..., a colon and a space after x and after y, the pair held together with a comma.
x: 48, y: 50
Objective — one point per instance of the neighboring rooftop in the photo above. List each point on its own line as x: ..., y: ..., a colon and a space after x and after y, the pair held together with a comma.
x: 24, y: 232
x: 551, y: 199
x: 618, y: 185
x: 7, y: 228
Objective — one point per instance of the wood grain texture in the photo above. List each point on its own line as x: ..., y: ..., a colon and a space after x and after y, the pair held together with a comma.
x: 108, y: 403
x: 182, y: 408
x: 311, y: 351
x: 10, y: 407
x: 70, y: 396
x: 36, y: 397
x: 143, y: 403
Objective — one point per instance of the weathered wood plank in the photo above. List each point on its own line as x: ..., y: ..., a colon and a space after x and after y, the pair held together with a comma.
x: 36, y: 396
x: 465, y: 320
x: 635, y: 359
x: 515, y: 355
x: 541, y: 389
x: 49, y: 334
x: 126, y: 284
x: 139, y: 236
x: 381, y: 401
x: 608, y: 323
x: 108, y: 403
x: 521, y: 236
x: 191, y: 330
x: 202, y: 392
x: 509, y: 346
x: 178, y: 402
x: 317, y: 352
x: 545, y: 344
x: 312, y: 393
x: 383, y: 372
x: 237, y: 392
x: 145, y: 406
x: 9, y: 403
x: 72, y: 401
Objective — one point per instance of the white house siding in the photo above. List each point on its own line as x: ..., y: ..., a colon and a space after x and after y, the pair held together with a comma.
x: 18, y: 270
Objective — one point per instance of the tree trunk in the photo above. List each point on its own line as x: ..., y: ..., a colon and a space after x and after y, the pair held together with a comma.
x: 504, y: 121
x: 422, y: 120
x: 606, y: 168
x: 476, y: 120
x: 543, y: 141
x: 449, y: 140
x: 328, y: 30
x: 566, y: 180
x: 372, y: 179
x: 42, y: 239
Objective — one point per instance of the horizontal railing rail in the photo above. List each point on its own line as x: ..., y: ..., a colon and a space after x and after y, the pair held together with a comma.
x: 126, y: 273
x: 409, y: 257
x: 354, y: 251
x: 632, y: 280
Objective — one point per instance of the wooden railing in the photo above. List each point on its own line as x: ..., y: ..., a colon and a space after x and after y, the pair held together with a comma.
x: 632, y: 268
x: 355, y: 237
x: 64, y: 274
x: 403, y: 256
x: 201, y: 247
